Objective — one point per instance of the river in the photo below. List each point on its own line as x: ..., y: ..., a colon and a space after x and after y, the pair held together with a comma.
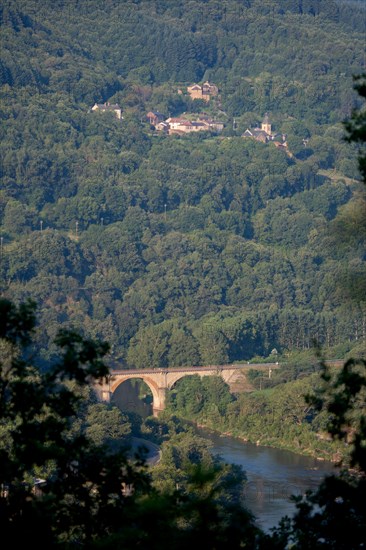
x: 273, y: 475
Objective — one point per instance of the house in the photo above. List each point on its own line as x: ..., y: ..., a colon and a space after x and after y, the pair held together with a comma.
x: 264, y: 133
x: 108, y: 107
x: 209, y: 89
x: 257, y: 134
x: 195, y: 91
x: 181, y: 126
x: 205, y: 92
x: 162, y: 127
x: 184, y: 126
x: 211, y: 124
x: 175, y: 123
x: 154, y: 117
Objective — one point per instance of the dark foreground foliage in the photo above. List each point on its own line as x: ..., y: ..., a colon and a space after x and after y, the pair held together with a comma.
x: 61, y: 490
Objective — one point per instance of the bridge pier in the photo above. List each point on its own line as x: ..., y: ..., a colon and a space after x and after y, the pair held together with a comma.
x: 159, y: 400
x: 103, y: 390
x: 106, y: 396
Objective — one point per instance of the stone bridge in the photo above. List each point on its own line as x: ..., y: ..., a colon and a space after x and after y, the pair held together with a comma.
x: 161, y: 380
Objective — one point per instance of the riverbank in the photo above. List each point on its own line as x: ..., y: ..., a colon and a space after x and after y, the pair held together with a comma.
x: 320, y: 455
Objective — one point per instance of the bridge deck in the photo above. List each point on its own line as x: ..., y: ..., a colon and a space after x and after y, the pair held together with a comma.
x: 206, y: 368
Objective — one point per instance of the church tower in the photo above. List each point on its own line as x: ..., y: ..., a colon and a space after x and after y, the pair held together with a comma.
x: 266, y: 126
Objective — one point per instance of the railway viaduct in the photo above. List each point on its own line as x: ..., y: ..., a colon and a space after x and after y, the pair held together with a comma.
x: 162, y: 380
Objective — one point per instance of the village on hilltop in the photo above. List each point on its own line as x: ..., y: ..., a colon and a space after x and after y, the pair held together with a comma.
x: 184, y: 125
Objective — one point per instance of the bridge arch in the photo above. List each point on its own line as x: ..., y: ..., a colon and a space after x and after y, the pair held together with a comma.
x: 115, y: 383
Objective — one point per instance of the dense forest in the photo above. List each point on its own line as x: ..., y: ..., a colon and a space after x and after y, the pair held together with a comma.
x: 195, y: 249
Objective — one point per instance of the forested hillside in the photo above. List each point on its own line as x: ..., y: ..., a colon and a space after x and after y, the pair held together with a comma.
x: 183, y: 249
